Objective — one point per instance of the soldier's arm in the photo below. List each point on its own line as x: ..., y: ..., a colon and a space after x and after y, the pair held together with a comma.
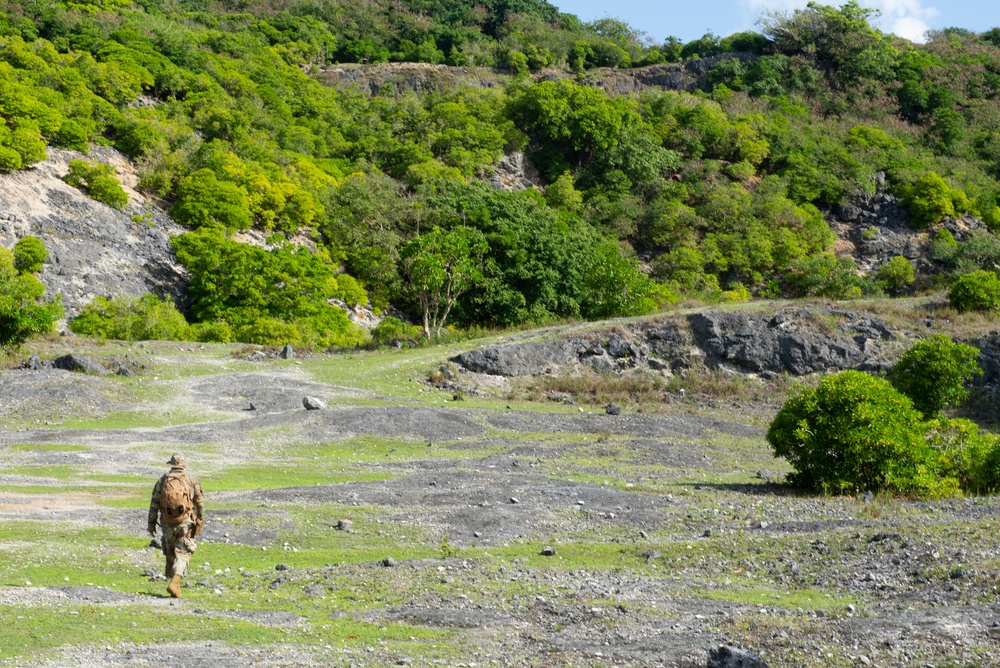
x: 154, y: 507
x: 199, y: 501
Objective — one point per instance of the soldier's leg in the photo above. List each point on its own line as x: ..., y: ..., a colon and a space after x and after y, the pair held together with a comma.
x: 167, y: 544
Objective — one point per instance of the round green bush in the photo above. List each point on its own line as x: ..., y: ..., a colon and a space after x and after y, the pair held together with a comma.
x: 976, y: 291
x: 29, y: 255
x: 897, y: 274
x: 126, y: 318
x: 854, y: 432
x: 934, y: 371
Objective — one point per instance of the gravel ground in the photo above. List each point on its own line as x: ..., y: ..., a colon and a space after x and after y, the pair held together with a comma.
x: 706, y: 546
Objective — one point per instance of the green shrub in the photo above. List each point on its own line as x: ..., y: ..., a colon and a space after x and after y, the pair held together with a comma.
x: 350, y: 290
x: 965, y: 454
x: 931, y: 198
x: 943, y: 246
x: 29, y: 255
x: 934, y: 371
x: 126, y: 318
x: 212, y: 332
x: 854, y: 432
x: 825, y: 275
x: 98, y: 181
x: 976, y: 291
x: 266, y: 331
x: 896, y: 275
x: 22, y: 311
x: 393, y: 329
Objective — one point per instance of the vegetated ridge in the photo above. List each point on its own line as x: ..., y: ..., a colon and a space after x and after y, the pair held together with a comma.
x: 721, y: 169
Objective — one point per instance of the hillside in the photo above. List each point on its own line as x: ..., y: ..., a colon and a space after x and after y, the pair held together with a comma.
x: 818, y: 157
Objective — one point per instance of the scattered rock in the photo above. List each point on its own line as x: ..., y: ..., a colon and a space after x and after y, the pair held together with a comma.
x: 287, y: 353
x: 282, y: 567
x: 313, y: 404
x: 257, y: 356
x: 728, y: 656
x: 81, y: 364
x: 345, y: 525
x: 548, y: 551
x: 613, y: 409
x: 388, y: 562
x: 514, y: 500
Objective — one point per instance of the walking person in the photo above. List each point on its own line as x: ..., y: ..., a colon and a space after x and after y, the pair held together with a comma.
x: 178, y: 503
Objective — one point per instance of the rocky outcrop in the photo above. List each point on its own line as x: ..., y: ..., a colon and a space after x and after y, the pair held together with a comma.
x: 400, y: 78
x: 514, y: 172
x: 874, y: 227
x: 94, y: 250
x: 793, y: 341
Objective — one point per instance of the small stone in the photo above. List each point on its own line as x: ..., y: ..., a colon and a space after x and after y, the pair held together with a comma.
x: 728, y: 656
x: 313, y: 404
x: 707, y: 533
x: 282, y: 567
x: 865, y: 660
x: 868, y: 497
x: 287, y: 352
x: 613, y: 409
x: 548, y: 551
x: 476, y: 534
x: 388, y: 562
x: 345, y: 525
x: 514, y: 500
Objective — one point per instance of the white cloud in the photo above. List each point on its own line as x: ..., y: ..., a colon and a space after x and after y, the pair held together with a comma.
x: 906, y: 18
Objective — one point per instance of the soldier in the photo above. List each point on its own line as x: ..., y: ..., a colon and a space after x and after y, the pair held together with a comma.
x: 178, y: 502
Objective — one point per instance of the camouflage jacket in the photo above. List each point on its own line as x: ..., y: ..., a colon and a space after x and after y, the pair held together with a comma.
x: 196, y: 497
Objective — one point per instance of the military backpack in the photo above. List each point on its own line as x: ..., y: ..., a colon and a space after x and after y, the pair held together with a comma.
x: 175, y: 498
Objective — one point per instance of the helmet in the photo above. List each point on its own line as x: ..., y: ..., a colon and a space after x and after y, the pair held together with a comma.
x: 178, y: 460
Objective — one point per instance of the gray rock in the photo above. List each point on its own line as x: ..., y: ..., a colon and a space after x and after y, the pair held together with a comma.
x: 548, y: 551
x: 757, y: 345
x: 257, y: 356
x: 728, y: 656
x: 125, y: 371
x: 288, y: 353
x: 313, y: 404
x: 613, y: 409
x: 282, y: 567
x: 345, y: 525
x: 81, y: 364
x: 388, y: 562
x: 525, y: 359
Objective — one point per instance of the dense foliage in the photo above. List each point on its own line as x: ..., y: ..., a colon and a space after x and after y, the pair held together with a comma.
x: 23, y: 313
x: 131, y: 319
x: 98, y: 181
x: 715, y: 194
x: 858, y: 432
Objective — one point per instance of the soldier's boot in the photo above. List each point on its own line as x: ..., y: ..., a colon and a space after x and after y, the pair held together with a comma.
x: 174, y: 587
x: 169, y: 570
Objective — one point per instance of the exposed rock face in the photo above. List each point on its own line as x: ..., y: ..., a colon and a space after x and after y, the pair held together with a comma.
x: 515, y: 172
x: 399, y: 78
x: 793, y: 341
x: 94, y: 250
x: 778, y: 344
x: 874, y: 227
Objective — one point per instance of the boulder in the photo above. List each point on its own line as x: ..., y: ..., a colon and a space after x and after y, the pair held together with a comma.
x: 728, y: 656
x: 313, y: 404
x: 287, y: 352
x: 81, y: 364
x: 613, y: 409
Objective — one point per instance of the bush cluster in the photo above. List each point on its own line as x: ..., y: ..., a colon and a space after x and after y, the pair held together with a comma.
x: 858, y: 432
x: 98, y: 181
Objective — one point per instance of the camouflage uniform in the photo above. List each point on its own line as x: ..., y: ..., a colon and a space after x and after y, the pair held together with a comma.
x: 178, y: 541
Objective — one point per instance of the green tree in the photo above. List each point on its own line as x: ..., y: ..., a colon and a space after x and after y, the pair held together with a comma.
x: 934, y: 371
x: 148, y: 318
x: 441, y: 266
x: 203, y: 200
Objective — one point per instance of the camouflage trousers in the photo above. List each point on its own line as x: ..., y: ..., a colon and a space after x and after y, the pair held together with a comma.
x: 178, y: 546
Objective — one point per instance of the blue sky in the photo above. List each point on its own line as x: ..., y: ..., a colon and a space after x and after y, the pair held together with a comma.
x: 692, y: 18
